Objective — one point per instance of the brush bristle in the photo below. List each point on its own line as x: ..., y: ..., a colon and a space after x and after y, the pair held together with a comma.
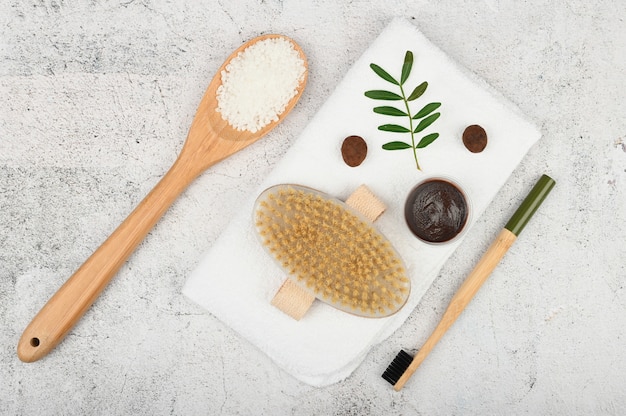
x: 331, y: 252
x: 397, y: 367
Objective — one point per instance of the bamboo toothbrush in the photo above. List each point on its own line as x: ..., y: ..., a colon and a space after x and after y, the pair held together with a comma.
x: 403, y: 366
x: 210, y: 140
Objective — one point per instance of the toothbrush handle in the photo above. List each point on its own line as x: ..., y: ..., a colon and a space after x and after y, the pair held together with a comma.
x: 72, y: 300
x: 482, y: 270
x: 461, y: 299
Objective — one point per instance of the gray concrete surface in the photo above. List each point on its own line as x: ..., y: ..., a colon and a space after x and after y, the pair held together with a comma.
x: 96, y: 101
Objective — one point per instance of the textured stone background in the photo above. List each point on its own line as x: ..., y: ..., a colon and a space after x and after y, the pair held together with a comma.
x: 96, y: 100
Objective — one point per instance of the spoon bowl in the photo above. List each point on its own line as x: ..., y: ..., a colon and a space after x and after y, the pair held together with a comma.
x: 211, y: 135
x: 210, y: 140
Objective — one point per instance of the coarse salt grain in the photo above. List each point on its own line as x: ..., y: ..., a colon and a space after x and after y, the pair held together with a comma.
x: 258, y: 84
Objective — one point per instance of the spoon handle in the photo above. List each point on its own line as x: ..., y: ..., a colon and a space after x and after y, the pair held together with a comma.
x: 72, y: 300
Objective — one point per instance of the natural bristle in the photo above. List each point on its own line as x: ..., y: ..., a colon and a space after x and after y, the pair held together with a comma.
x: 397, y: 367
x: 331, y: 251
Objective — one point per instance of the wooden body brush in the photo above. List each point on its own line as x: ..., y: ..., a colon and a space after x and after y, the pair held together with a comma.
x: 210, y: 140
x: 403, y: 366
x: 331, y: 251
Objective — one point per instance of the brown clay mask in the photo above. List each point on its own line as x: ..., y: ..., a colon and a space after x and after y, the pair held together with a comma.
x: 436, y: 211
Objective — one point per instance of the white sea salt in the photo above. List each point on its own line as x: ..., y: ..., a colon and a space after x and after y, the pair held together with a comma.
x: 258, y: 84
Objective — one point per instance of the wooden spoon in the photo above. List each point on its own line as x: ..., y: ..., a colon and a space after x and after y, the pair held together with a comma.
x: 210, y: 139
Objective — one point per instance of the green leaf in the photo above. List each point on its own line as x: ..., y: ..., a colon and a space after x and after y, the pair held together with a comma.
x: 428, y: 108
x: 383, y: 74
x: 396, y: 146
x: 394, y: 128
x: 389, y: 111
x: 418, y: 91
x: 426, y: 140
x: 382, y: 95
x: 406, y: 67
x: 426, y: 122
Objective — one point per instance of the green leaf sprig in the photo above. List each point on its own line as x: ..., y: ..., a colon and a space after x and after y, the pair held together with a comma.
x: 423, y: 118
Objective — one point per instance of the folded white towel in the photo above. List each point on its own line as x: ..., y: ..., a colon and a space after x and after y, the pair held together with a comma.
x: 236, y: 280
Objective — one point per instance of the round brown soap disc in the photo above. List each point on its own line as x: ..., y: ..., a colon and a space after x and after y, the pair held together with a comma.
x: 475, y: 138
x: 353, y: 150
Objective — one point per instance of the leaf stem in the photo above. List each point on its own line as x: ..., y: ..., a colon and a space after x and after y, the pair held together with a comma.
x: 408, y: 112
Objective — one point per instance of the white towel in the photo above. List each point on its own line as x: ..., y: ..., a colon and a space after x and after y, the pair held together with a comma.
x: 236, y: 279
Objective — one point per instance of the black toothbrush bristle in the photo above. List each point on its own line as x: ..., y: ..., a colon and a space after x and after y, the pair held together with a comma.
x: 397, y: 367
